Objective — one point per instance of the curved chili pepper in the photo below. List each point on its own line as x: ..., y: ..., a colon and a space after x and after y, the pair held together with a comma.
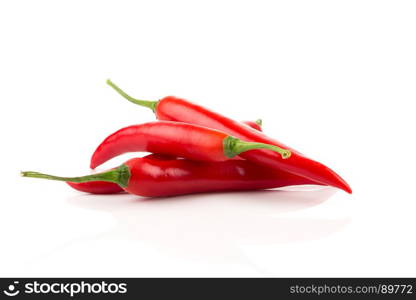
x: 176, y: 109
x: 255, y: 125
x: 176, y: 139
x: 158, y: 175
x: 104, y: 187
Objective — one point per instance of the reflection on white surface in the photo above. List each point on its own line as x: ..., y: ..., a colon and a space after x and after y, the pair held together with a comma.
x: 212, y: 226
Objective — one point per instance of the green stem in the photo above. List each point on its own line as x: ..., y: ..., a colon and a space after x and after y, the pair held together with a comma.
x: 234, y: 146
x: 120, y: 175
x: 146, y: 103
x: 259, y: 122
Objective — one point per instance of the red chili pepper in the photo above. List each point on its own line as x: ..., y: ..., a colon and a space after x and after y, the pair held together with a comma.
x: 176, y: 139
x: 175, y: 109
x: 104, y: 187
x: 158, y: 175
x: 255, y: 125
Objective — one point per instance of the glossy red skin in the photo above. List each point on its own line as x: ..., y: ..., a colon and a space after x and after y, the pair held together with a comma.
x: 163, y: 137
x: 253, y: 125
x: 157, y: 176
x: 96, y: 187
x: 180, y: 110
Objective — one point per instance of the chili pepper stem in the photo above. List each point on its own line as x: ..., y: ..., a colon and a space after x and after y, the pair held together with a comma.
x: 234, y: 146
x: 145, y: 103
x: 259, y: 122
x: 120, y: 176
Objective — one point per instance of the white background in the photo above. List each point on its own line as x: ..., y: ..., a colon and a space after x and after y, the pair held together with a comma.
x: 333, y: 79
